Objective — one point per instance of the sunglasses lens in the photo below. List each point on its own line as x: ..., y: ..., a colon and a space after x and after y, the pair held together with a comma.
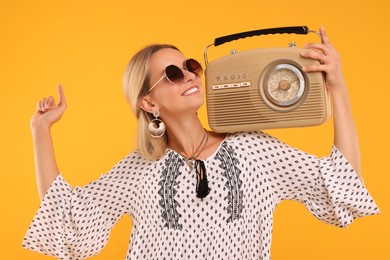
x: 174, y: 74
x: 194, y: 66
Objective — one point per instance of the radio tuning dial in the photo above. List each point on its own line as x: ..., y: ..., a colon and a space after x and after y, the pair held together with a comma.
x: 284, y: 85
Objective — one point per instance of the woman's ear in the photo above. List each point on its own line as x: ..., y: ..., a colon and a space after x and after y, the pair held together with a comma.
x: 147, y: 104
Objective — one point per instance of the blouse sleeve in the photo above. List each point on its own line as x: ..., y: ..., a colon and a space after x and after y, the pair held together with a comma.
x: 328, y: 187
x: 76, y: 223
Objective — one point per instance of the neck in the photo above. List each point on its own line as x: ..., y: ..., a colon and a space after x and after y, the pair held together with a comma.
x: 184, y: 136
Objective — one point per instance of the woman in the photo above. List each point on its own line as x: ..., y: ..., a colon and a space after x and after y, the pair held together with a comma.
x: 192, y: 193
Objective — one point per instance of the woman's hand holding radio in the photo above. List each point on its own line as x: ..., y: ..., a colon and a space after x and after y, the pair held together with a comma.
x: 345, y: 134
x: 330, y: 62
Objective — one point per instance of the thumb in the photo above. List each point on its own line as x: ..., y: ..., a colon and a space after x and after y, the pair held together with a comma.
x: 61, y: 96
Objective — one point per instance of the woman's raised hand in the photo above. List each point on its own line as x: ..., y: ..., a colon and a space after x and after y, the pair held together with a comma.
x: 48, y: 112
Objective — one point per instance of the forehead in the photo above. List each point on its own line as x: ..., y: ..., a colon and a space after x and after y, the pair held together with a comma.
x: 164, y: 57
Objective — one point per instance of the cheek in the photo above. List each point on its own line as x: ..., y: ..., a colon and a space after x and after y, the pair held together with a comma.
x: 199, y: 80
x: 166, y: 98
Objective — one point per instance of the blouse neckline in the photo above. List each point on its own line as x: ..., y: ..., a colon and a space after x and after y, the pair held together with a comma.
x: 207, y: 158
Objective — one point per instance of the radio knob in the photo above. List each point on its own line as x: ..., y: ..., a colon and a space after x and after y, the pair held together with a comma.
x: 284, y: 85
x: 292, y: 44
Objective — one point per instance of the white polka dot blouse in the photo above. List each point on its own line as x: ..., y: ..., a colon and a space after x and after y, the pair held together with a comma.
x: 248, y: 176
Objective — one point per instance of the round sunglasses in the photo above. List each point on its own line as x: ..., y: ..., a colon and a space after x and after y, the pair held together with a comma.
x: 175, y: 74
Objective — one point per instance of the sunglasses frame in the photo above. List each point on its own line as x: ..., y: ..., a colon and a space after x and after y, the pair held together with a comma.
x: 179, y: 69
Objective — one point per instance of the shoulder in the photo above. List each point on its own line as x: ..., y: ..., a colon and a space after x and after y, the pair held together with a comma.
x: 253, y: 142
x: 250, y: 136
x: 133, y: 158
x: 132, y: 164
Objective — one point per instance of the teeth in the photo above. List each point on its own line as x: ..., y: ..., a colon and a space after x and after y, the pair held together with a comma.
x: 190, y: 91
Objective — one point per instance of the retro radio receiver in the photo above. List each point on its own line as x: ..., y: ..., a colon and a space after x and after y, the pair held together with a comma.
x: 264, y: 88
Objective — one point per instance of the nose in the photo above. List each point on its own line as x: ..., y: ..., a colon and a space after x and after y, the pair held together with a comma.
x: 188, y: 76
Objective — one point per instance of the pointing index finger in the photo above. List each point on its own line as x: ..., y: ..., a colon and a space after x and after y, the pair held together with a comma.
x: 61, y: 95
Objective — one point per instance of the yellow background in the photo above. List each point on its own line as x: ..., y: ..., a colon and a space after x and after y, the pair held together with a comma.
x: 86, y: 45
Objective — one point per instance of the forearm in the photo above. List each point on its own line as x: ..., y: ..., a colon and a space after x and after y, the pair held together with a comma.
x: 345, y: 134
x: 45, y: 162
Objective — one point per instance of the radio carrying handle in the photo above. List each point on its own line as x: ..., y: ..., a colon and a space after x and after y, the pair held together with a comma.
x: 278, y: 30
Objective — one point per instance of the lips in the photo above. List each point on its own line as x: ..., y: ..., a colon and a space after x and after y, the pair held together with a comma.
x: 190, y: 91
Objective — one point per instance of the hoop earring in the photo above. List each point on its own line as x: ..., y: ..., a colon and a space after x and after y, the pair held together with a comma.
x: 156, y: 126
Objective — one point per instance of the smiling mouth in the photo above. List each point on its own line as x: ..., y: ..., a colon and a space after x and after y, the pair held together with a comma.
x: 190, y: 91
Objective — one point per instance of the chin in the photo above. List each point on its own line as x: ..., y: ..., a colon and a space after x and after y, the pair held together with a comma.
x: 197, y: 105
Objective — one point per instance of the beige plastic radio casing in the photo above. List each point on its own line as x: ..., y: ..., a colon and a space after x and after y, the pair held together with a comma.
x: 235, y: 92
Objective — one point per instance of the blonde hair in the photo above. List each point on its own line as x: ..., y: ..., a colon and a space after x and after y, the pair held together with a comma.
x: 136, y: 84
